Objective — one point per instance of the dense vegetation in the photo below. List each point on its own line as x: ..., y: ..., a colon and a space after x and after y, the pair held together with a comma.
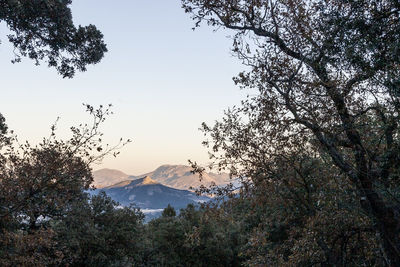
x: 316, y: 149
x: 323, y: 118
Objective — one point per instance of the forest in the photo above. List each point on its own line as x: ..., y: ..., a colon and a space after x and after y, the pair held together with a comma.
x: 315, y: 146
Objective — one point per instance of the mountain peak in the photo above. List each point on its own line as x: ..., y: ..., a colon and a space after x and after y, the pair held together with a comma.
x: 108, y: 177
x: 148, y: 180
x: 176, y: 176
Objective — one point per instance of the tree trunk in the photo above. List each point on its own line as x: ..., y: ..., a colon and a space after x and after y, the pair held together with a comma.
x: 389, y: 231
x: 387, y: 221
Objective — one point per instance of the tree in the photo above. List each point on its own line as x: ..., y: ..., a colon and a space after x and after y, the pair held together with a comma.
x: 40, y: 185
x: 196, y: 237
x: 44, y: 30
x: 169, y: 211
x: 99, y: 233
x: 3, y: 126
x: 327, y: 73
x: 211, y: 236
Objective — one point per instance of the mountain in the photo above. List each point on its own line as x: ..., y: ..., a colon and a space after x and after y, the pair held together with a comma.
x: 181, y: 177
x: 150, y: 196
x: 176, y: 176
x: 107, y: 177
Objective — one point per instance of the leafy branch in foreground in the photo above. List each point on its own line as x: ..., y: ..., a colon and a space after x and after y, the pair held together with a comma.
x: 44, y: 31
x: 40, y: 185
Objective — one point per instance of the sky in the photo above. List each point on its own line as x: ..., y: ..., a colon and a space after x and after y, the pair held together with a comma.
x: 163, y: 79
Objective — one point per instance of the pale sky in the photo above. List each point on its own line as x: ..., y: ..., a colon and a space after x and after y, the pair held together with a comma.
x: 162, y: 77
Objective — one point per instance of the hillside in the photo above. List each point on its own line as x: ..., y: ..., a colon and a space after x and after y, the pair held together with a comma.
x: 107, y: 177
x: 150, y: 196
x: 176, y: 176
x: 181, y: 177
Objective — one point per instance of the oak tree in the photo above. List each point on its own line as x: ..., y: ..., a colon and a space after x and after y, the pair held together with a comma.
x: 41, y: 184
x: 43, y: 30
x: 327, y: 74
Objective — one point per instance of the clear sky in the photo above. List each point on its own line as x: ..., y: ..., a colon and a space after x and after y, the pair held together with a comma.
x: 162, y: 77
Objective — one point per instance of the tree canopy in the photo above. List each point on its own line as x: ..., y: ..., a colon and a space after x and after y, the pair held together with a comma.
x: 43, y: 30
x: 327, y: 74
x: 45, y: 206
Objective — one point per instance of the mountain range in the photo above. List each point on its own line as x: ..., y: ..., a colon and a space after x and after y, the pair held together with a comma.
x: 153, y: 191
x: 176, y: 176
x: 148, y: 194
x: 108, y: 177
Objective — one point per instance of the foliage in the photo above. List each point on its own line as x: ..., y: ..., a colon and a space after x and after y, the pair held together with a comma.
x: 3, y: 126
x: 99, y: 233
x: 169, y: 211
x: 44, y: 30
x: 197, y: 237
x: 41, y: 185
x: 326, y: 73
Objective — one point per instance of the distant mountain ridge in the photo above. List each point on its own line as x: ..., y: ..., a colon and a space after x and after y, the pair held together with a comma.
x: 181, y: 177
x: 176, y: 176
x: 150, y: 196
x: 108, y: 177
x: 146, y: 193
x: 153, y: 191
